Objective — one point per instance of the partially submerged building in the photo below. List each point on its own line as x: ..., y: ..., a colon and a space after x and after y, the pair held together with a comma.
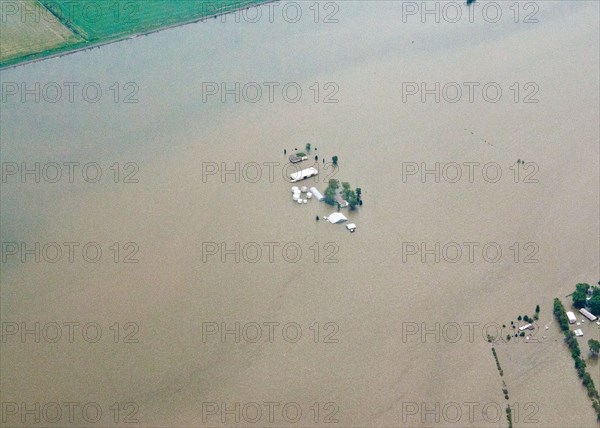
x: 588, y: 314
x: 572, y: 317
x: 526, y: 327
x: 343, y: 203
x: 317, y: 194
x: 304, y: 174
x: 296, y: 159
x: 336, y: 218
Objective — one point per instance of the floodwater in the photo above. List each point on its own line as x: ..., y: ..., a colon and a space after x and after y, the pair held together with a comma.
x: 357, y: 298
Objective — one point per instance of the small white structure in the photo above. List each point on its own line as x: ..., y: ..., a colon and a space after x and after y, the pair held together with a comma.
x: 304, y: 174
x: 295, y: 189
x: 317, y: 194
x: 578, y: 332
x: 588, y: 314
x: 336, y: 218
x: 572, y: 317
x: 526, y: 327
x: 304, y: 189
x: 351, y: 227
x: 308, y: 195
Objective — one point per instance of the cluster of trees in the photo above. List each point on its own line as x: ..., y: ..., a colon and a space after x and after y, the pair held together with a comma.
x: 353, y: 197
x: 580, y: 297
x: 331, y: 190
x: 561, y: 315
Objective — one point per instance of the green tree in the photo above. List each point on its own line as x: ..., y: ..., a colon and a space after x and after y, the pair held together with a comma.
x: 345, y: 188
x: 330, y: 191
x: 580, y: 295
x: 334, y: 160
x: 594, y: 347
x: 329, y: 197
x: 352, y: 199
x: 307, y: 147
x: 594, y: 302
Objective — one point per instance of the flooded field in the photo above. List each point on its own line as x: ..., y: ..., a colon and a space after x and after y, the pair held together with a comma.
x: 176, y: 283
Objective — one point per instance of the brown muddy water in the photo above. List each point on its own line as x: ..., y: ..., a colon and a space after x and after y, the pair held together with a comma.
x: 357, y: 330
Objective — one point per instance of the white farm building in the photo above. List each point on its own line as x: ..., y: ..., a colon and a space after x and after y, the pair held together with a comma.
x: 304, y: 174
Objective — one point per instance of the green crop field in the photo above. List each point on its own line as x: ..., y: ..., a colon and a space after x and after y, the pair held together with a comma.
x: 66, y: 25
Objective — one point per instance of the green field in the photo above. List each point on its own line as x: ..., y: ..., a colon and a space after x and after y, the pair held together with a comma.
x: 67, y: 25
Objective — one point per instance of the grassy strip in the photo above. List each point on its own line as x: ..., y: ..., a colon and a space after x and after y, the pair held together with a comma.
x: 561, y: 316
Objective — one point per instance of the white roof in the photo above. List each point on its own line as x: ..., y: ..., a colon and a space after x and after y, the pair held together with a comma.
x: 588, y: 314
x: 336, y: 218
x: 305, y: 173
x: 316, y: 193
x: 572, y: 317
x: 578, y: 332
x: 351, y: 226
